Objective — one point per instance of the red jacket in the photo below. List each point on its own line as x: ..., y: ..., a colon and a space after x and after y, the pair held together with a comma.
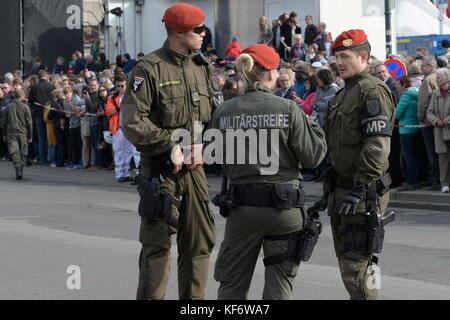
x: 112, y: 110
x: 233, y: 49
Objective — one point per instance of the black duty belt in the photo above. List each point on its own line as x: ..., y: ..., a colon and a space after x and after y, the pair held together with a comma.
x: 280, y: 196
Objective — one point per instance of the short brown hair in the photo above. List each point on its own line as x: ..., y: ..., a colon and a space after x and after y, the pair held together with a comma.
x: 405, y: 81
x: 42, y: 74
x: 363, y: 48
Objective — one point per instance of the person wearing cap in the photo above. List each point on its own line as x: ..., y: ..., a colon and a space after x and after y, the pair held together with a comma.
x: 234, y: 48
x: 360, y: 122
x: 17, y: 130
x: 268, y: 202
x: 171, y: 89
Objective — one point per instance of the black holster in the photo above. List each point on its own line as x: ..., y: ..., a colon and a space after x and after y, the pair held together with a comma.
x: 376, y: 231
x: 155, y: 204
x: 224, y: 200
x: 300, y: 243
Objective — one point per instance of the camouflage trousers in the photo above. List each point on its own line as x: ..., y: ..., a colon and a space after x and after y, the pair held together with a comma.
x: 356, y: 267
x: 195, y: 240
x: 17, y: 148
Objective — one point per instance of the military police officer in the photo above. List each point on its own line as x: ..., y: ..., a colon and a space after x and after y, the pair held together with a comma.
x: 266, y: 200
x: 359, y: 133
x: 171, y: 89
x: 18, y: 130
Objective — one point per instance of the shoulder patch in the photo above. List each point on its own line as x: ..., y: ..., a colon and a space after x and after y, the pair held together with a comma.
x: 138, y: 81
x: 374, y: 119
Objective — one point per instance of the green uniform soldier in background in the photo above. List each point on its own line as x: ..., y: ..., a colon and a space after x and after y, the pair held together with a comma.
x: 359, y: 132
x: 18, y: 130
x: 171, y: 89
x: 265, y: 202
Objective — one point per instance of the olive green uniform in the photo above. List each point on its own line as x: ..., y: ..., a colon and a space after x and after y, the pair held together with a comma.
x: 169, y: 91
x: 359, y: 132
x: 18, y: 128
x: 301, y: 144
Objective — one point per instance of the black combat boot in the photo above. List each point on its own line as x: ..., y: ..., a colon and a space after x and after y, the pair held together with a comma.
x: 18, y: 173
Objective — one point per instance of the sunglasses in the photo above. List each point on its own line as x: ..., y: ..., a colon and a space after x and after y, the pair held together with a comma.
x: 4, y: 88
x: 199, y: 30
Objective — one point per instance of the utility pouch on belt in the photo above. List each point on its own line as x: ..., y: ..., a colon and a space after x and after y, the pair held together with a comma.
x: 284, y: 197
x: 155, y: 204
x: 300, y: 243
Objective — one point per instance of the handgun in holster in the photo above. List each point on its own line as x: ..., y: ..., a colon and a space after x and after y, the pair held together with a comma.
x: 301, y: 243
x: 155, y: 204
x: 376, y: 224
x: 224, y: 200
x: 309, y: 237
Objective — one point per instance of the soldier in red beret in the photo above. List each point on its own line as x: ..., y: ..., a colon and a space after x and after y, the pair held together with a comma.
x: 264, y: 204
x: 171, y: 89
x: 360, y: 122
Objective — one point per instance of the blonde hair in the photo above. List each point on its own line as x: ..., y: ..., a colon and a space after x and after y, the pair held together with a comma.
x: 288, y: 72
x: 414, y: 68
x: 251, y: 70
x: 57, y: 93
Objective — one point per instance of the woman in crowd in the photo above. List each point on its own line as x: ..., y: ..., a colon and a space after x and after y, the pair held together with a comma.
x: 409, y: 137
x: 415, y: 74
x: 299, y: 49
x: 337, y: 75
x: 73, y: 106
x: 104, y: 148
x: 313, y: 49
x: 265, y: 31
x: 87, y: 151
x: 49, y: 120
x: 438, y: 113
x: 307, y: 100
x: 326, y: 90
x: 57, y: 115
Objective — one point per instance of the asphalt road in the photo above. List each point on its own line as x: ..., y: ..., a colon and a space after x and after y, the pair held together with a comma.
x: 55, y: 219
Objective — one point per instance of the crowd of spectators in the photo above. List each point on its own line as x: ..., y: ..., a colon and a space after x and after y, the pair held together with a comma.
x: 73, y: 108
x: 74, y: 132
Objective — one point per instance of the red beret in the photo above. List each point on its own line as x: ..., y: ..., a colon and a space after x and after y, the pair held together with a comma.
x: 183, y: 17
x: 264, y: 55
x: 348, y: 40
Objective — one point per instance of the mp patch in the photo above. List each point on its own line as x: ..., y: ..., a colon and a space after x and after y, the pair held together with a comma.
x: 137, y: 83
x: 374, y: 119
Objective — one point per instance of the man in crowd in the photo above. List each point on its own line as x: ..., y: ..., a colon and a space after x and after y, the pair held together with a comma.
x: 128, y: 63
x: 429, y: 84
x: 311, y: 31
x: 395, y: 167
x: 39, y: 95
x: 123, y: 149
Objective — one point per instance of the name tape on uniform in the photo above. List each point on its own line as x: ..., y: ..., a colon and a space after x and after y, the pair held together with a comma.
x: 243, y: 121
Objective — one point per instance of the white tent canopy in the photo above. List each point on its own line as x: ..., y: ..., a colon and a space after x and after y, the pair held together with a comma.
x: 417, y: 18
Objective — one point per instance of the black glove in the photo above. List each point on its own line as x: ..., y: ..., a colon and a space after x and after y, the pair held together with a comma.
x: 319, y: 206
x: 350, y: 202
